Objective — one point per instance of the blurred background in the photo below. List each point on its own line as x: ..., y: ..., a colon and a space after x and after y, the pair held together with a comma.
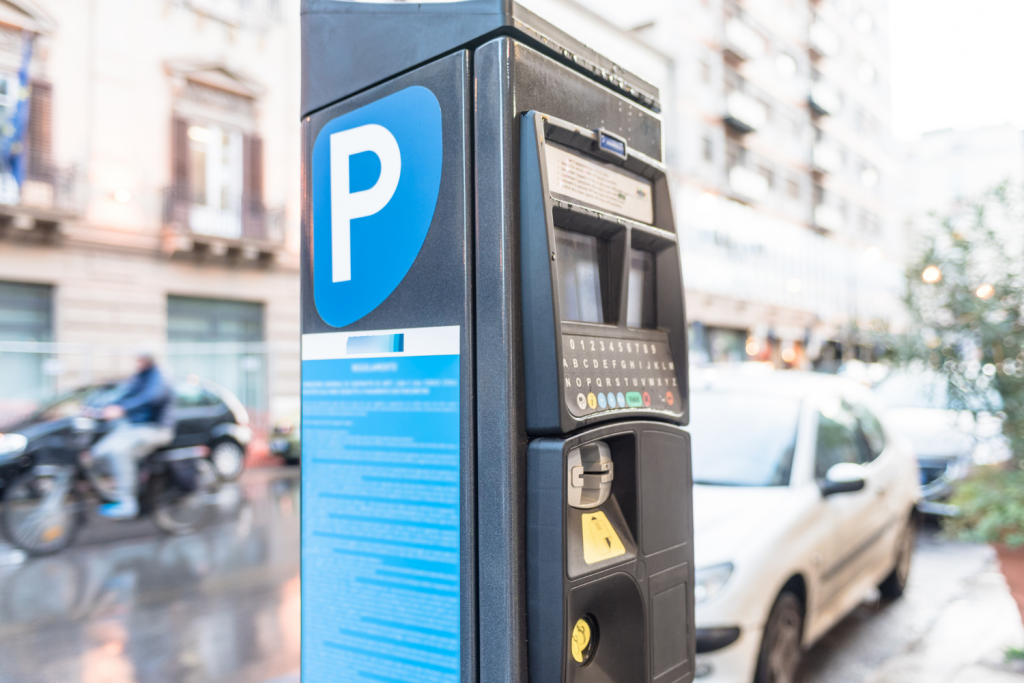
x: 149, y: 197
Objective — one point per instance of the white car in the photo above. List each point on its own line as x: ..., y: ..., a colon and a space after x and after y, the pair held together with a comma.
x: 804, y: 502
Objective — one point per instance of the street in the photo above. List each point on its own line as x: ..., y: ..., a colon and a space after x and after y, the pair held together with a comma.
x: 222, y: 605
x: 126, y: 604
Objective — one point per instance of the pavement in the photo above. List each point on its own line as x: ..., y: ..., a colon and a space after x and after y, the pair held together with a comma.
x: 126, y: 604
x: 952, y: 625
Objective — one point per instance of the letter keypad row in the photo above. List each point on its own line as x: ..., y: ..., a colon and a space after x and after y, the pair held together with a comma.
x: 602, y: 374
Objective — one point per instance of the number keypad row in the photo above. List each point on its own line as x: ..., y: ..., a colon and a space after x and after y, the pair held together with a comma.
x: 601, y: 374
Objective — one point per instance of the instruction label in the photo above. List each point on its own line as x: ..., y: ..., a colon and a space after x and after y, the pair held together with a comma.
x: 600, y: 542
x: 601, y: 185
x: 380, y: 506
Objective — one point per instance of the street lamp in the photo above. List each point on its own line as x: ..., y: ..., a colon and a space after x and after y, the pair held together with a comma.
x: 985, y: 291
x: 931, y: 274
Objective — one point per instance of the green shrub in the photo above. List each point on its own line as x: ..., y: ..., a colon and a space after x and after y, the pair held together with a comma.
x: 991, y: 504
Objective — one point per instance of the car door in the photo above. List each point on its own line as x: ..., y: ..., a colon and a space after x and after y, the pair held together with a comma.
x: 850, y: 516
x: 884, y: 469
x: 195, y: 411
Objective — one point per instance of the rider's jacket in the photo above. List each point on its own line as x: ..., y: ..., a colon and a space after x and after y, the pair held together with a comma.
x: 147, y: 398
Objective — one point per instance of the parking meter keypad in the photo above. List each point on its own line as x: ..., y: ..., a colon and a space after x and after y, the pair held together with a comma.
x: 601, y: 374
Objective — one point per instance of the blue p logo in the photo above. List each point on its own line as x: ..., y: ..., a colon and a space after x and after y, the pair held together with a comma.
x: 376, y: 176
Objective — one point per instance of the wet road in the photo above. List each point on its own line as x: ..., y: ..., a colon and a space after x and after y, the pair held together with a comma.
x: 126, y: 604
x: 221, y: 605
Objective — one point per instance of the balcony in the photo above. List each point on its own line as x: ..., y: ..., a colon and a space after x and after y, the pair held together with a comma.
x: 824, y: 99
x: 828, y: 217
x: 47, y: 198
x: 822, y: 40
x: 826, y: 158
x: 748, y: 185
x: 743, y: 113
x: 742, y: 42
x: 240, y: 226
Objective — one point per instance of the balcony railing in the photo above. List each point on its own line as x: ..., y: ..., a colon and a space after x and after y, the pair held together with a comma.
x: 828, y: 217
x: 748, y: 184
x: 824, y: 99
x: 47, y: 193
x: 744, y: 113
x: 239, y: 219
x: 826, y: 157
x: 822, y: 39
x: 742, y: 41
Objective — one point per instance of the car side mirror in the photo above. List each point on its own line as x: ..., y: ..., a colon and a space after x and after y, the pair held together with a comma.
x: 844, y: 477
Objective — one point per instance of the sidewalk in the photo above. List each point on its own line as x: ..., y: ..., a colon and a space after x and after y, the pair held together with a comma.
x: 967, y: 640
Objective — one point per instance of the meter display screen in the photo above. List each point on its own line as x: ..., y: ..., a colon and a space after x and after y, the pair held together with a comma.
x: 579, y: 277
x: 640, y: 302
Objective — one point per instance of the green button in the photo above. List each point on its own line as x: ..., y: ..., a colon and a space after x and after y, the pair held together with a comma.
x: 633, y: 400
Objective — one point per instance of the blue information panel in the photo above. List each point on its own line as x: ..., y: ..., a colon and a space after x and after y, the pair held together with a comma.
x: 380, y: 506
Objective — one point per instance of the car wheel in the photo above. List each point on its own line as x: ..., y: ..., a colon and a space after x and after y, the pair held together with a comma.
x: 894, y: 584
x: 228, y: 458
x: 781, y: 650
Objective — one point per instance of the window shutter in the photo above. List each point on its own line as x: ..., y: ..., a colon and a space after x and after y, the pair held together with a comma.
x: 177, y: 199
x: 39, y: 138
x: 253, y: 163
x: 252, y: 187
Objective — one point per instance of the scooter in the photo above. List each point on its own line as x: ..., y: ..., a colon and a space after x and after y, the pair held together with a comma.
x: 45, y: 507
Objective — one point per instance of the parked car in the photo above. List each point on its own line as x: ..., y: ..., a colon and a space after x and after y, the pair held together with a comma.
x: 804, y: 503
x: 205, y: 415
x: 949, y: 440
x: 286, y: 439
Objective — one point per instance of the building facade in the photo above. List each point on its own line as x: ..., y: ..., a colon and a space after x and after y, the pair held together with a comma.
x: 159, y: 204
x: 785, y: 171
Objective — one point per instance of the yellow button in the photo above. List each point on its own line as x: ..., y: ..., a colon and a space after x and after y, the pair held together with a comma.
x: 582, y: 640
x: 592, y: 400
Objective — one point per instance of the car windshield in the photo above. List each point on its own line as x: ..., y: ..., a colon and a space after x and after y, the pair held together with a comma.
x: 927, y: 390
x: 74, y: 402
x: 740, y: 439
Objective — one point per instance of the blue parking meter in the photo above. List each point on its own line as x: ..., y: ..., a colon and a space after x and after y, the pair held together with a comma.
x: 495, y: 480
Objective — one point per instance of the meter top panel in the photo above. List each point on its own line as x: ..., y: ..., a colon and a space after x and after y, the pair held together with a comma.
x: 604, y: 329
x: 350, y: 46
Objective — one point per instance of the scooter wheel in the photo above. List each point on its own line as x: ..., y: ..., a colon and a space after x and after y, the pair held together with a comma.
x: 41, y: 512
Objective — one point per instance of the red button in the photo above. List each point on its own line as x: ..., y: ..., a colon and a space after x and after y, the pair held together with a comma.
x: 670, y: 398
x: 647, y: 399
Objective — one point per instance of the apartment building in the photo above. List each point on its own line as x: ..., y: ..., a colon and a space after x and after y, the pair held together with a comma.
x: 777, y: 114
x: 157, y: 202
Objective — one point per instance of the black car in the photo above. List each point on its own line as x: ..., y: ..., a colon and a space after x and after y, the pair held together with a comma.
x: 205, y: 415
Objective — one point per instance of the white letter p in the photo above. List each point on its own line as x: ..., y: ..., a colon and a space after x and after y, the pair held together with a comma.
x: 345, y: 204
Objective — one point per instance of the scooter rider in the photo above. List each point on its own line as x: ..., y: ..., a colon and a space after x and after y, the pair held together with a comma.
x: 146, y: 404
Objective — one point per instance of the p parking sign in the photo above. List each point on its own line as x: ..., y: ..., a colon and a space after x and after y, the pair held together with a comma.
x: 376, y: 174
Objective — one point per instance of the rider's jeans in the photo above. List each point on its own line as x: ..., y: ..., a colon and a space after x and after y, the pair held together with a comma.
x: 125, y: 446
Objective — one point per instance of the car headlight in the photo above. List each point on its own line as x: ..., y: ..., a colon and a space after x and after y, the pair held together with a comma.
x: 12, y: 445
x: 710, y: 580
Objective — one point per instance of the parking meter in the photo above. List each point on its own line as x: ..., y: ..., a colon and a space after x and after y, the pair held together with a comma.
x: 496, y: 483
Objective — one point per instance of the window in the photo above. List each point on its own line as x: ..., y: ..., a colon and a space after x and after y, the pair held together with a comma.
x: 219, y: 340
x: 26, y: 315
x: 215, y: 179
x: 871, y: 430
x: 767, y: 173
x: 8, y: 95
x: 704, y: 68
x: 709, y: 148
x: 838, y: 437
